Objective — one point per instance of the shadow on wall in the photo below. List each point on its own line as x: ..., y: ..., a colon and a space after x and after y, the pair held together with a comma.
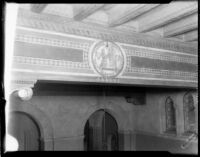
x: 153, y: 143
x: 42, y: 88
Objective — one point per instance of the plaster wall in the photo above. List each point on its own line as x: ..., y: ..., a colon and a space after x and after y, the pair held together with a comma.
x: 68, y: 116
x: 151, y: 124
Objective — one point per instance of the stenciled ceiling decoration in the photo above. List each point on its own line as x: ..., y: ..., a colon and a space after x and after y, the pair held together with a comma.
x: 141, y: 44
x: 176, y: 21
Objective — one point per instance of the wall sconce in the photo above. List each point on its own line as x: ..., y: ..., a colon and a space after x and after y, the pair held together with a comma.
x: 129, y: 99
x: 11, y: 143
x: 25, y: 94
x: 137, y: 99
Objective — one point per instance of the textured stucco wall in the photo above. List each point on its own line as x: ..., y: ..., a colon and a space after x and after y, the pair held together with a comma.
x: 148, y: 115
x: 151, y: 123
x: 62, y: 118
x: 147, y: 142
x: 71, y: 111
x: 151, y: 116
x: 68, y: 115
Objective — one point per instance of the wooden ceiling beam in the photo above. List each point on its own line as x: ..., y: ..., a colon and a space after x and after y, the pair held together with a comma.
x: 191, y: 36
x: 109, y: 6
x: 83, y: 11
x: 130, y: 14
x: 38, y: 8
x: 167, y: 15
x: 182, y: 26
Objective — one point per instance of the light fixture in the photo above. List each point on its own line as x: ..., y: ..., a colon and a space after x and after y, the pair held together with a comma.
x: 11, y: 143
x: 25, y: 94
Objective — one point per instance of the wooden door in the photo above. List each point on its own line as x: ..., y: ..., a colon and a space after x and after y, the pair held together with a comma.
x: 101, y: 132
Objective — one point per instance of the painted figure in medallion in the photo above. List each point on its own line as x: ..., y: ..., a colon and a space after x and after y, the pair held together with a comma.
x: 108, y: 59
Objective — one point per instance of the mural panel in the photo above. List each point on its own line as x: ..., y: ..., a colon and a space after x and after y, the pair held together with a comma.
x: 189, y: 112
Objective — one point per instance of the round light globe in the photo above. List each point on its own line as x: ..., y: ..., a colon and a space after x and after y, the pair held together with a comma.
x: 11, y: 143
x: 25, y: 94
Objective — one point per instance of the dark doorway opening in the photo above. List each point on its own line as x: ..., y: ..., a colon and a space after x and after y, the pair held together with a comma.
x: 25, y: 129
x: 101, y: 132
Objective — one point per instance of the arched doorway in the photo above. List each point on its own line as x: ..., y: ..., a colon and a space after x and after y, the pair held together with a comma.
x: 24, y: 128
x: 101, y: 132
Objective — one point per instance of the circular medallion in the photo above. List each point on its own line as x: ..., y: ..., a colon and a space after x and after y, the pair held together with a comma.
x: 107, y: 59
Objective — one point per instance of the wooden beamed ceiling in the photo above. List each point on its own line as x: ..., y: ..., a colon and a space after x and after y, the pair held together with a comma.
x: 164, y: 16
x: 182, y: 26
x: 130, y: 14
x: 38, y: 8
x: 83, y: 11
x: 178, y: 19
x: 191, y: 36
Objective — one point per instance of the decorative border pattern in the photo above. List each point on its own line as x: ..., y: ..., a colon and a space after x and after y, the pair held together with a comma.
x: 75, y: 65
x: 163, y: 73
x: 89, y: 31
x: 61, y: 24
x: 146, y: 53
x: 128, y: 63
x: 57, y: 43
x: 129, y: 51
x: 52, y: 42
x: 50, y: 62
x: 23, y: 81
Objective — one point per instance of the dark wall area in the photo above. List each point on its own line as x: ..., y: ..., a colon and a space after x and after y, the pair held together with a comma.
x: 73, y: 88
x: 155, y: 143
